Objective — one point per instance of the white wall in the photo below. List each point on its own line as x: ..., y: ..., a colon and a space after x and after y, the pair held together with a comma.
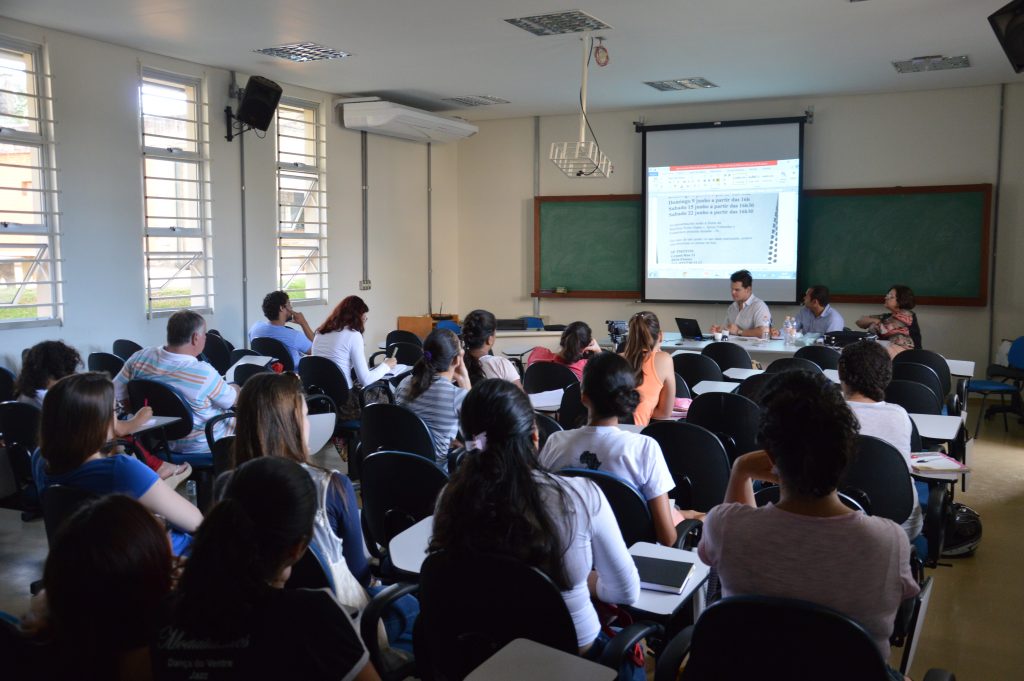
x: 920, y: 138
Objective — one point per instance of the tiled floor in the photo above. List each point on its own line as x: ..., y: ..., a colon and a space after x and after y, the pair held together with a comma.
x: 976, y: 616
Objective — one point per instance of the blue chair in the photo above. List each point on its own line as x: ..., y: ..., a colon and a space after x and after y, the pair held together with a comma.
x: 450, y: 325
x: 1002, y: 380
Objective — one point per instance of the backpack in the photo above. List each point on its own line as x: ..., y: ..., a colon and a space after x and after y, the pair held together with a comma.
x: 963, y: 532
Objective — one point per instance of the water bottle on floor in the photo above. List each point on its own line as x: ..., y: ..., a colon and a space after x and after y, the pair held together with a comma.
x: 190, y: 493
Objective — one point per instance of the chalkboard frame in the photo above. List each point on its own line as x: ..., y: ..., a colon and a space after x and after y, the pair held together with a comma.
x: 539, y: 201
x: 980, y: 300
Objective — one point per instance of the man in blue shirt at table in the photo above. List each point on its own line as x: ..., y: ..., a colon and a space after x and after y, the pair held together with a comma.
x: 277, y: 308
x: 817, y: 316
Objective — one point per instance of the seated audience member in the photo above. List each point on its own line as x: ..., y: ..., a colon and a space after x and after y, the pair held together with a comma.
x: 808, y: 546
x: 340, y: 339
x: 107, y: 573
x: 46, y: 363
x: 816, y: 315
x: 895, y: 325
x: 277, y: 308
x: 77, y: 420
x: 177, y: 366
x: 655, y: 375
x: 576, y: 347
x: 609, y: 393
x: 500, y: 501
x: 436, y: 388
x: 865, y: 369
x: 230, y: 616
x: 748, y: 315
x: 478, y: 334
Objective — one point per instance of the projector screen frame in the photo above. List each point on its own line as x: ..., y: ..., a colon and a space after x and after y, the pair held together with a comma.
x: 643, y: 129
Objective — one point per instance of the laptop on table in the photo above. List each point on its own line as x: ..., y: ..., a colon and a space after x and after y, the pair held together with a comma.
x: 689, y: 328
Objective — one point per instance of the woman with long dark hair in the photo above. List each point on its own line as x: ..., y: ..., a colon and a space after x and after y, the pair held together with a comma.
x: 436, y: 388
x: 576, y: 346
x: 479, y: 331
x: 230, y: 615
x: 500, y: 501
x: 655, y: 375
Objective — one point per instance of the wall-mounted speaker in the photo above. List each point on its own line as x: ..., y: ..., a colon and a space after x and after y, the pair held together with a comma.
x: 259, y: 102
x: 1008, y: 23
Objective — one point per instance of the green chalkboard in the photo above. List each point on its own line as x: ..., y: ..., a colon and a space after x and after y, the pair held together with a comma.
x: 587, y: 246
x: 935, y: 240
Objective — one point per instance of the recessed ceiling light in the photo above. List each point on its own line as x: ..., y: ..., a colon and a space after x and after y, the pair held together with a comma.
x: 475, y: 100
x: 559, y: 23
x: 694, y: 83
x: 931, y: 63
x: 303, y: 52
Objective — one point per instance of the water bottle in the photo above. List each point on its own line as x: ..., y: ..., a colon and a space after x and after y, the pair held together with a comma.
x: 766, y: 334
x: 787, y: 331
x: 190, y: 492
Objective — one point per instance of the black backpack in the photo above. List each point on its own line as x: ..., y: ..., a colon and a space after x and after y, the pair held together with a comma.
x: 963, y: 532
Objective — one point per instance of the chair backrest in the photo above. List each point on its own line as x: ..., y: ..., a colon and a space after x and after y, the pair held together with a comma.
x: 105, y: 361
x: 822, y: 355
x: 210, y: 427
x: 695, y: 368
x: 322, y: 376
x: 19, y: 424
x: 733, y: 418
x: 697, y: 461
x: 792, y: 364
x: 918, y: 373
x: 246, y: 371
x: 931, y: 359
x: 880, y: 472
x: 59, y: 502
x: 450, y: 325
x: 271, y: 347
x: 393, y: 427
x: 1015, y: 357
x: 682, y: 390
x: 124, y: 348
x: 7, y: 379
x: 218, y: 353
x: 309, y: 573
x: 571, y: 412
x: 405, y: 353
x: 400, y: 336
x: 813, y: 641
x: 916, y: 398
x: 464, y: 619
x: 165, y: 401
x: 545, y: 426
x: 771, y: 494
x: 398, y: 490
x: 218, y: 334
x: 377, y: 392
x: 727, y: 355
x: 542, y: 376
x: 223, y: 454
x: 753, y: 386
x: 629, y: 506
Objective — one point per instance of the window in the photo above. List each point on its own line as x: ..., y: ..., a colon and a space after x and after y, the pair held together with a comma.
x: 175, y: 149
x: 302, y: 202
x: 30, y: 284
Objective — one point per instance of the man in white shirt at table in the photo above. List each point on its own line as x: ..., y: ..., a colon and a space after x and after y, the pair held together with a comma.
x: 748, y: 315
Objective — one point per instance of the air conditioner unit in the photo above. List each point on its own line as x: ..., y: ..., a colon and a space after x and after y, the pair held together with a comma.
x: 395, y: 120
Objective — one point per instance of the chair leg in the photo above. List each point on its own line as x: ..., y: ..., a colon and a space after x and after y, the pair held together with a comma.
x: 981, y: 413
x: 1002, y: 408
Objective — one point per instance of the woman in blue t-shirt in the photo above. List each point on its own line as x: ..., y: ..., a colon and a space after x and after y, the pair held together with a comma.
x: 76, y: 421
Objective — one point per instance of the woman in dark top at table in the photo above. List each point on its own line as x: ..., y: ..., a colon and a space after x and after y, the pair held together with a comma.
x: 895, y: 325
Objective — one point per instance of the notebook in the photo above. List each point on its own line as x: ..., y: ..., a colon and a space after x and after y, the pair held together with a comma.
x: 660, y: 574
x: 689, y: 328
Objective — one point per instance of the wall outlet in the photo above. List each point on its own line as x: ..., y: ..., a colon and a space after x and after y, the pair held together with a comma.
x: 364, y: 285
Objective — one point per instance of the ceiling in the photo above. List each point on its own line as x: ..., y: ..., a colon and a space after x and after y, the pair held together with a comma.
x: 419, y: 51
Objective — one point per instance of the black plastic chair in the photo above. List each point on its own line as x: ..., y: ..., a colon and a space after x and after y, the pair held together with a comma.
x: 7, y: 379
x: 545, y: 426
x: 124, y: 348
x: 697, y: 461
x: 543, y: 376
x: 918, y: 373
x: 105, y: 361
x: 220, y: 448
x: 695, y: 368
x: 401, y: 336
x: 464, y: 619
x: 217, y: 353
x: 396, y: 428
x: 215, y: 332
x: 752, y: 387
x: 59, y: 503
x: 733, y: 418
x: 246, y: 371
x: 916, y: 398
x: 271, y: 347
x: 940, y: 366
x: 727, y: 356
x: 792, y: 364
x: 398, y: 490
x: 571, y: 412
x: 376, y: 393
x: 822, y: 355
x: 19, y: 429
x: 682, y: 390
x: 800, y: 641
x: 770, y: 494
x: 403, y: 352
x: 321, y: 376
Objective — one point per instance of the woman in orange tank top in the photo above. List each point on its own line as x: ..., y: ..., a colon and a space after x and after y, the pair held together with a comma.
x: 655, y: 375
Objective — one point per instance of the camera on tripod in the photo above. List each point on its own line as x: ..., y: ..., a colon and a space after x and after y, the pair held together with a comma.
x: 618, y: 330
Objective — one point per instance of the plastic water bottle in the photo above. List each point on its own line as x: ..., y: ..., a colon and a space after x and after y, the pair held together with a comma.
x: 787, y: 331
x: 766, y: 335
x: 190, y: 492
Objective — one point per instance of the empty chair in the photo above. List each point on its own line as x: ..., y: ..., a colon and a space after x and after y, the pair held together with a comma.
x: 728, y: 356
x: 696, y: 459
x: 695, y: 368
x: 545, y: 426
x: 401, y: 336
x: 105, y: 361
x: 321, y: 376
x: 1003, y: 380
x: 395, y: 428
x: 916, y: 398
x: 403, y: 352
x: 682, y: 390
x: 217, y: 353
x: 543, y: 376
x: 246, y: 371
x: 271, y: 347
x: 822, y: 355
x: 792, y: 364
x: 918, y: 373
x: 733, y: 418
x: 937, y: 363
x: 124, y: 348
x: 752, y: 386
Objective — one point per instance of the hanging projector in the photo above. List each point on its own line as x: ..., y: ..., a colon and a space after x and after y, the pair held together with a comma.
x: 375, y: 115
x: 583, y: 159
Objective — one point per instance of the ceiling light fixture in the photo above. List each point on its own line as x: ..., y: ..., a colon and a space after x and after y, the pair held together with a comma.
x: 677, y: 84
x: 935, y: 62
x: 582, y: 158
x: 303, y: 52
x: 559, y: 23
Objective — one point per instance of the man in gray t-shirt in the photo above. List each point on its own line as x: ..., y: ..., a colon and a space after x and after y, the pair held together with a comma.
x: 748, y: 315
